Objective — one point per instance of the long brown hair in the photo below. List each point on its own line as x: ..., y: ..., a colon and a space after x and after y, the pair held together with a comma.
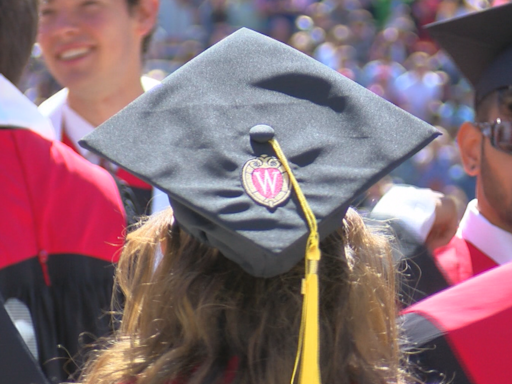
x: 187, y: 315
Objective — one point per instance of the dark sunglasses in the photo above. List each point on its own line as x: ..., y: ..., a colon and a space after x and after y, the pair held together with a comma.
x: 499, y: 133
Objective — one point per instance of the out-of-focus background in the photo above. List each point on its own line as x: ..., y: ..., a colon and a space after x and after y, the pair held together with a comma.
x: 380, y: 44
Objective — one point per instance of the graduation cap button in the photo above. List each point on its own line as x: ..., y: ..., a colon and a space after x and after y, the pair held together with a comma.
x: 262, y: 133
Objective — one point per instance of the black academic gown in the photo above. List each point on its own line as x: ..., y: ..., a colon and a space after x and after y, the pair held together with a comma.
x: 465, y: 332
x: 61, y: 230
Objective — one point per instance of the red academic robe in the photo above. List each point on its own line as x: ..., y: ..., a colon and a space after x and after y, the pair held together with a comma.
x: 459, y: 260
x: 466, y: 330
x: 61, y: 230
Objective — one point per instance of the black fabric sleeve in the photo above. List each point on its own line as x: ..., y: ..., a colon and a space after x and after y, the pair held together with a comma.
x: 432, y: 359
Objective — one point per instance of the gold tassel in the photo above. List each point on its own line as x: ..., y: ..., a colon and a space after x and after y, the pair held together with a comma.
x: 310, y: 363
x: 308, y: 351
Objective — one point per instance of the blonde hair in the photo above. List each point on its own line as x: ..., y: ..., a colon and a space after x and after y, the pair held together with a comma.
x: 187, y: 315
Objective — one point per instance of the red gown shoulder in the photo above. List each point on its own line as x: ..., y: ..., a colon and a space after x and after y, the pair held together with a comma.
x: 475, y: 317
x: 69, y: 205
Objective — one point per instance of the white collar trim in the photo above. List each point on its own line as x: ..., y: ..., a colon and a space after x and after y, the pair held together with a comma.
x: 16, y: 110
x: 491, y: 240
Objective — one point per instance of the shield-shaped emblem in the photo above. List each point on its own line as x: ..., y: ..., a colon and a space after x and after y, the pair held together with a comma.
x: 266, y: 181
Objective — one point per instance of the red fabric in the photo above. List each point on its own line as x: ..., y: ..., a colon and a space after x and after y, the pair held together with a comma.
x: 459, y: 260
x: 131, y: 180
x: 58, y: 203
x: 477, y: 318
x: 231, y: 370
x: 66, y: 140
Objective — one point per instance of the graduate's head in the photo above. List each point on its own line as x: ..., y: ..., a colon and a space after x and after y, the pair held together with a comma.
x: 18, y: 29
x: 261, y: 149
x: 95, y: 43
x: 481, y: 46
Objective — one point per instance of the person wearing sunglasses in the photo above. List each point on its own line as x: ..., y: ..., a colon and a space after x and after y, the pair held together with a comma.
x: 463, y: 333
x: 480, y: 45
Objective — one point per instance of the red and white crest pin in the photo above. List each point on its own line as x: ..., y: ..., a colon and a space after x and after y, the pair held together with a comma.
x: 266, y: 181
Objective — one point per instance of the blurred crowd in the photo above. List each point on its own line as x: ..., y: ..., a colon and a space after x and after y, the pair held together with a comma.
x: 378, y: 43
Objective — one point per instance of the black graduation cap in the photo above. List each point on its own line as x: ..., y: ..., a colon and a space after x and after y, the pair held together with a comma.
x: 480, y: 44
x: 202, y: 137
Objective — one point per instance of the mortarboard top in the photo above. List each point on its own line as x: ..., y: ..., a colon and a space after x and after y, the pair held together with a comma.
x: 198, y: 136
x: 480, y: 44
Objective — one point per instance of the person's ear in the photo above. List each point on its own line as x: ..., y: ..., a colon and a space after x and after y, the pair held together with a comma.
x: 146, y: 13
x: 469, y: 140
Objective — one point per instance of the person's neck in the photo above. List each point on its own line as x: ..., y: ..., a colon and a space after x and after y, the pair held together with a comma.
x: 98, y: 107
x: 492, y: 216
